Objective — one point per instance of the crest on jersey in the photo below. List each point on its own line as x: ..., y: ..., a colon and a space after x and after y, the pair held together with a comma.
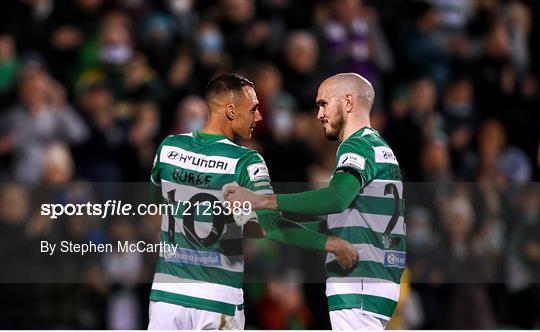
x: 353, y: 160
x: 258, y: 172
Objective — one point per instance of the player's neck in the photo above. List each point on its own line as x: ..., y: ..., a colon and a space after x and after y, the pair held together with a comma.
x: 215, y: 129
x: 353, y: 126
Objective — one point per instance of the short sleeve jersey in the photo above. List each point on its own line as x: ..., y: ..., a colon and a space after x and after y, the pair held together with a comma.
x: 374, y: 223
x: 205, y: 270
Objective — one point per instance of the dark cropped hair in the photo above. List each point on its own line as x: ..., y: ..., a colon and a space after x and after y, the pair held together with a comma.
x: 226, y: 83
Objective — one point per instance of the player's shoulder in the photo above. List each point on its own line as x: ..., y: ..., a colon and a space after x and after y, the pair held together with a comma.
x: 365, y: 139
x: 367, y: 143
x: 177, y: 138
x: 224, y: 147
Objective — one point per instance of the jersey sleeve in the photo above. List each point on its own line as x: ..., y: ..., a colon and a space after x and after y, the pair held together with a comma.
x: 155, y: 174
x: 252, y: 173
x: 357, y: 158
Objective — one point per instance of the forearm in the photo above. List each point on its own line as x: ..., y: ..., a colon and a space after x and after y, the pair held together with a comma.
x: 291, y: 233
x: 333, y: 199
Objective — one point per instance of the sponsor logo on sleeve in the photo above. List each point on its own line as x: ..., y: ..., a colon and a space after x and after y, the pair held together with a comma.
x: 384, y: 155
x: 394, y: 259
x: 352, y: 160
x: 258, y: 172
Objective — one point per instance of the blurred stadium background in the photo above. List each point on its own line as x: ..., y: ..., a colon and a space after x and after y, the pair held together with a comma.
x: 88, y: 88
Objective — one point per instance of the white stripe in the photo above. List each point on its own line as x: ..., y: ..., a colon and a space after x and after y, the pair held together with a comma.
x: 261, y: 184
x: 361, y: 285
x: 154, y: 182
x: 186, y: 134
x: 227, y: 141
x: 197, y: 288
x: 264, y: 192
x: 197, y: 162
x: 375, y: 222
x: 367, y: 132
x: 376, y: 188
x: 374, y: 314
x: 233, y: 263
x: 367, y: 253
x: 384, y: 155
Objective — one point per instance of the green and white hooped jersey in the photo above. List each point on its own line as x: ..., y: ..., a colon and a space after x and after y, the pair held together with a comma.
x: 373, y: 223
x: 205, y: 271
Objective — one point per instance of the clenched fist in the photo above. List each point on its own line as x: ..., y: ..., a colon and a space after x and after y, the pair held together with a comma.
x: 239, y: 194
x: 346, y: 254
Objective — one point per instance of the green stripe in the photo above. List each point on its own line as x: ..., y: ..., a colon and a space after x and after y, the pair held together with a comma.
x: 376, y: 304
x: 366, y: 269
x: 203, y: 273
x: 194, y: 302
x: 359, y: 235
x: 377, y: 205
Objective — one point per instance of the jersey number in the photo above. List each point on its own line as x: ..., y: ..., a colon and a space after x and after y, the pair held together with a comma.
x: 388, y: 241
x: 218, y: 221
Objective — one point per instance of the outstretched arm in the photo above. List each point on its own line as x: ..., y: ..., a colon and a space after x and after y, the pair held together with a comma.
x: 298, y: 235
x: 335, y: 198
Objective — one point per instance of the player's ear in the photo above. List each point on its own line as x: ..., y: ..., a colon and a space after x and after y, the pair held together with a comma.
x: 348, y: 102
x: 230, y: 112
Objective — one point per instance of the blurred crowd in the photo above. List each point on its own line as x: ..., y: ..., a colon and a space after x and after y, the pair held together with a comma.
x: 88, y: 89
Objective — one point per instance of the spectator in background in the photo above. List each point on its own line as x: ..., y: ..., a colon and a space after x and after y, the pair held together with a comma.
x: 21, y: 263
x: 211, y: 54
x: 105, y: 154
x: 283, y: 305
x: 355, y: 42
x: 279, y: 127
x: 140, y: 81
x: 423, y: 50
x: 411, y: 122
x: 191, y: 115
x: 523, y: 271
x: 518, y: 19
x: 465, y: 269
x: 301, y: 76
x: 160, y: 30
x: 498, y: 161
x: 275, y: 104
x: 111, y: 48
x: 494, y: 75
x: 422, y: 103
x: 40, y: 117
x: 247, y: 36
x: 9, y: 65
x: 435, y: 161
x: 179, y: 83
x: 143, y: 136
x: 71, y: 23
x: 459, y: 122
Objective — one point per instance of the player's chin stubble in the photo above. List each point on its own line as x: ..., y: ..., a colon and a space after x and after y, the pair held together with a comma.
x: 335, y: 127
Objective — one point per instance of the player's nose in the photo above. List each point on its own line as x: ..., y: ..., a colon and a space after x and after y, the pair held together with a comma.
x: 258, y: 116
x: 320, y: 114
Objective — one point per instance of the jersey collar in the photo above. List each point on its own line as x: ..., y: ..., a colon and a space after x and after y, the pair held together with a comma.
x: 367, y: 130
x: 206, y: 138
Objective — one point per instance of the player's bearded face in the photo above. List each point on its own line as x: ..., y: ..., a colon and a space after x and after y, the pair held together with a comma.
x: 334, y: 124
